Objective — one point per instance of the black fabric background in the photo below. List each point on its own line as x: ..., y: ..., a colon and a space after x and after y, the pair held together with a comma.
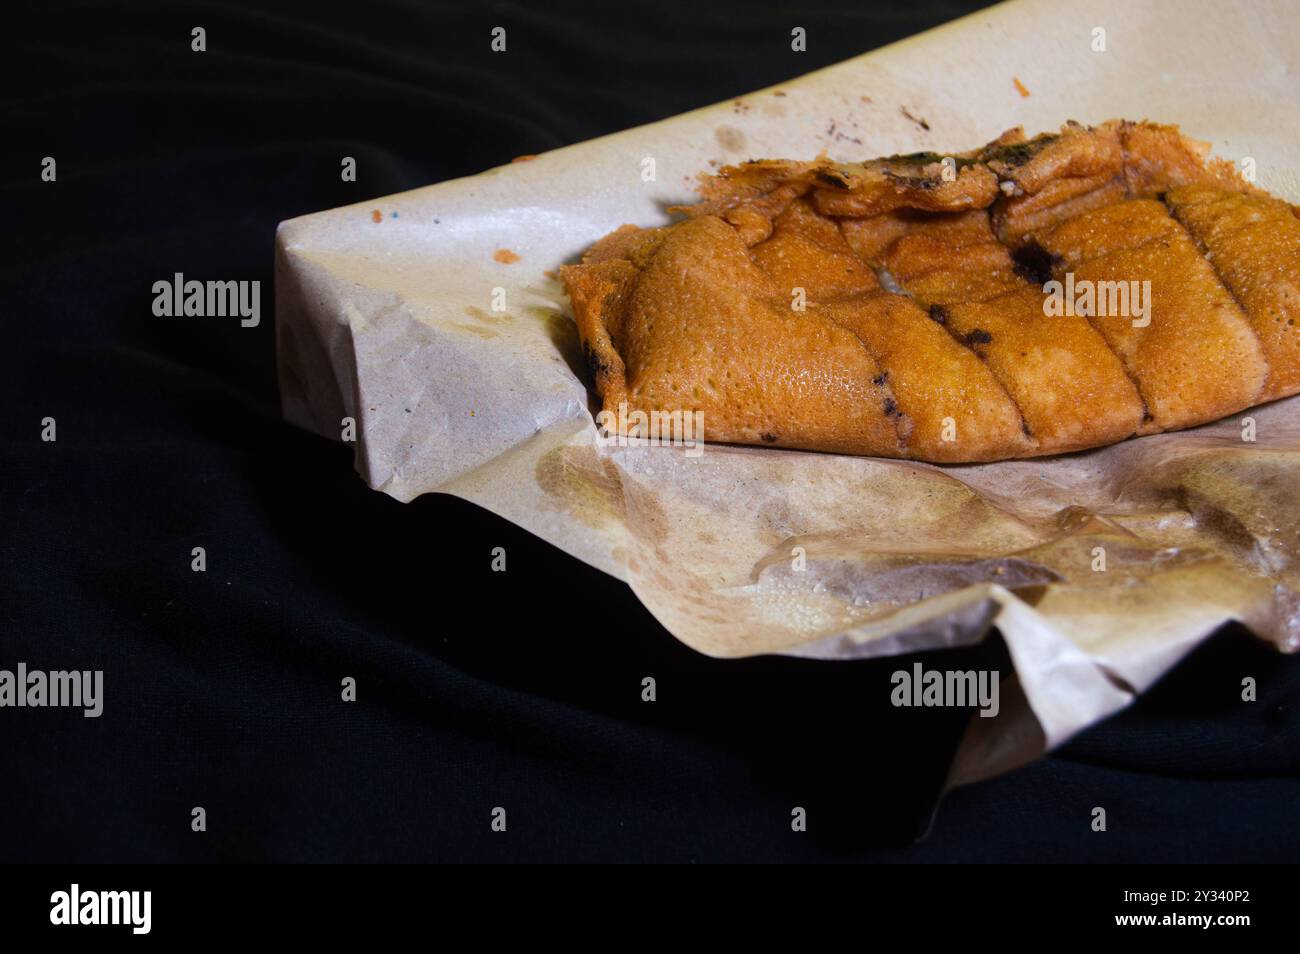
x: 476, y: 689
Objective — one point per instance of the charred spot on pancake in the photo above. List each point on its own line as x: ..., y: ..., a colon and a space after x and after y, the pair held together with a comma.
x: 1024, y: 427
x: 891, y: 407
x: 917, y: 158
x: 832, y: 178
x: 596, y: 366
x: 1017, y: 153
x: 928, y: 158
x: 975, y: 339
x: 768, y: 437
x: 880, y: 379
x: 938, y: 314
x: 924, y: 183
x: 1034, y: 263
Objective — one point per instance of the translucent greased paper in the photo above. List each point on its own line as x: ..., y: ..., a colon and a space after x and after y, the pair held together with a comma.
x: 432, y: 319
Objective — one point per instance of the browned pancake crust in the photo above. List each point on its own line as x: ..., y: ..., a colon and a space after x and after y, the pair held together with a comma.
x: 897, y: 307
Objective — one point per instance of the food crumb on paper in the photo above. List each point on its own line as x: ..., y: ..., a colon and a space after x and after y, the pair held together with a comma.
x: 525, y: 158
x: 376, y: 216
x: 916, y: 119
x: 1020, y: 87
x: 505, y: 256
x: 835, y: 135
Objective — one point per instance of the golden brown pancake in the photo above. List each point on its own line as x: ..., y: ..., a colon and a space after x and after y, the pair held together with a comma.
x: 1195, y: 324
x: 1033, y: 296
x: 1253, y: 242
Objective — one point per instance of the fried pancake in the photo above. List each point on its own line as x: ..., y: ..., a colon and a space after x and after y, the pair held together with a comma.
x: 1254, y: 242
x: 1070, y: 388
x: 1193, y: 322
x: 915, y: 306
x: 1056, y: 176
x: 702, y: 328
x: 806, y: 250
x: 950, y: 405
x: 940, y: 259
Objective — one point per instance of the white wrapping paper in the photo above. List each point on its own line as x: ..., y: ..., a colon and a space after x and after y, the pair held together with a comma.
x: 387, y: 314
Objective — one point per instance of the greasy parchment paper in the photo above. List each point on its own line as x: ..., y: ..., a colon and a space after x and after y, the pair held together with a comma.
x: 388, y: 318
